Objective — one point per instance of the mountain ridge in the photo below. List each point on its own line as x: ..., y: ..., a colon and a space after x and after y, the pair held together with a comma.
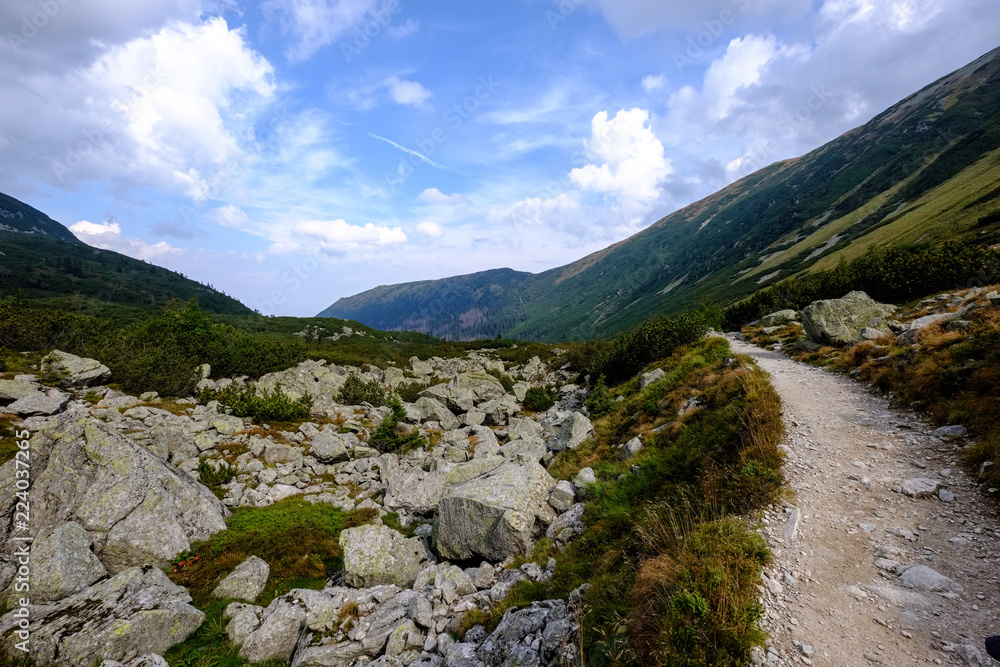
x: 890, y: 180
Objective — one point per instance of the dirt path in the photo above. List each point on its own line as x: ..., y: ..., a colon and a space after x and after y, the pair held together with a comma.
x: 833, y: 595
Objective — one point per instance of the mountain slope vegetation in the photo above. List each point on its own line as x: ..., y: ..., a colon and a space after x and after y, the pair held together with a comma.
x: 41, y: 260
x: 927, y: 170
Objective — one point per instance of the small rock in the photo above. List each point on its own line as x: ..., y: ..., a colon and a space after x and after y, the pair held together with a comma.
x: 946, y: 496
x: 920, y: 487
x: 954, y: 431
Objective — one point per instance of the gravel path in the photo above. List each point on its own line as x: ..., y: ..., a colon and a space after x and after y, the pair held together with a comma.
x: 865, y: 574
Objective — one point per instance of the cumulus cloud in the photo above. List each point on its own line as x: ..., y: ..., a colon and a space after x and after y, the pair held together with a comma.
x: 108, y: 236
x: 160, y: 110
x: 430, y: 229
x: 337, y: 236
x: 230, y: 216
x: 651, y: 83
x: 632, y: 158
x: 435, y: 197
x: 410, y: 93
x: 313, y: 24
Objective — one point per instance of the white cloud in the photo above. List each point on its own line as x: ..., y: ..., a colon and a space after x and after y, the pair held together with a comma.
x: 163, y: 110
x: 430, y: 229
x: 108, y: 236
x: 336, y: 236
x: 633, y: 162
x: 651, y: 83
x: 435, y: 197
x: 230, y: 216
x: 400, y: 31
x: 409, y: 93
x: 314, y: 24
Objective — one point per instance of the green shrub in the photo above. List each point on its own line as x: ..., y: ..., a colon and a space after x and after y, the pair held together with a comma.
x: 895, y: 274
x: 215, y: 479
x: 538, y: 399
x: 650, y: 341
x: 409, y: 392
x: 260, y: 405
x: 357, y: 391
x: 600, y: 403
x: 387, y: 439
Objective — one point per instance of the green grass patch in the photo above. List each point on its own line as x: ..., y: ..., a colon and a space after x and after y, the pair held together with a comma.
x: 671, y: 562
x: 297, y: 539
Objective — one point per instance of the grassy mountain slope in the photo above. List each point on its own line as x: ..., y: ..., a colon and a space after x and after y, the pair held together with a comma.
x: 42, y: 261
x: 924, y: 170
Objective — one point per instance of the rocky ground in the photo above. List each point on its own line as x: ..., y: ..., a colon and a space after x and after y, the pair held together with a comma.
x: 115, y: 496
x: 886, y: 552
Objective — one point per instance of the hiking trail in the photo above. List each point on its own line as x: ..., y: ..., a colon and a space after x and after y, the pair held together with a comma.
x: 874, y: 492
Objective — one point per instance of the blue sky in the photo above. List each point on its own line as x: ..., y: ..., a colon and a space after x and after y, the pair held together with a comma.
x: 291, y: 152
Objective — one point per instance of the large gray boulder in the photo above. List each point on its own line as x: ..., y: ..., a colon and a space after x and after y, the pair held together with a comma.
x: 321, y: 381
x: 378, y: 555
x: 12, y: 390
x: 573, y: 433
x: 246, y: 582
x: 62, y: 564
x: 137, y: 612
x: 466, y: 390
x: 48, y: 403
x: 413, y: 490
x: 492, y: 516
x: 332, y: 447
x: 278, y: 633
x: 138, y: 509
x: 72, y: 371
x: 840, y: 321
x: 430, y: 409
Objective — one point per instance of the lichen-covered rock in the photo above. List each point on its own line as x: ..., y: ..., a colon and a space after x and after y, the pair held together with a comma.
x: 243, y: 620
x: 278, y: 633
x: 499, y: 410
x: 524, y: 450
x: 779, y: 317
x: 376, y: 555
x: 413, y: 490
x: 12, y: 390
x: 573, y: 432
x: 477, y: 467
x: 139, y: 509
x: 550, y: 623
x: 138, y: 611
x: 51, y: 402
x: 492, y: 516
x: 321, y: 381
x: 70, y: 370
x: 839, y: 321
x: 245, y: 582
x: 151, y: 660
x: 329, y: 448
x: 63, y: 564
x: 431, y: 409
